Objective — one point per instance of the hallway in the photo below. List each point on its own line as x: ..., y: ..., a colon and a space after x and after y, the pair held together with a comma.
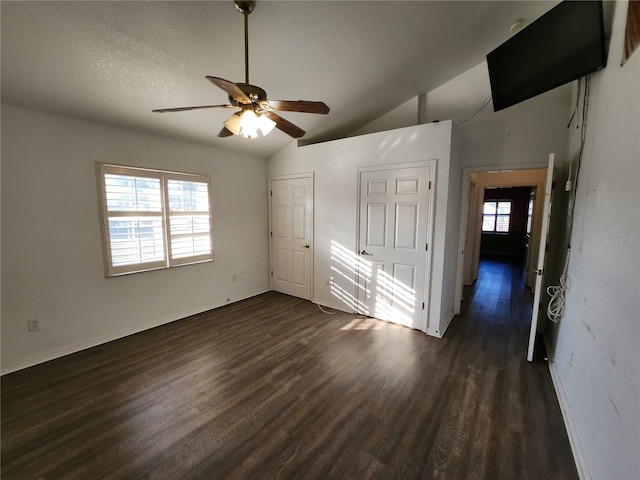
x: 499, y: 303
x: 498, y: 307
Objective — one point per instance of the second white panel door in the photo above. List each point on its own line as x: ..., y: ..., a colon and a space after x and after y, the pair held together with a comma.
x: 393, y: 236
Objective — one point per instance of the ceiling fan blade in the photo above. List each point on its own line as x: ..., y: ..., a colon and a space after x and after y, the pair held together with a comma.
x: 184, y: 109
x: 225, y: 132
x: 231, y: 88
x: 285, y: 125
x: 299, y: 106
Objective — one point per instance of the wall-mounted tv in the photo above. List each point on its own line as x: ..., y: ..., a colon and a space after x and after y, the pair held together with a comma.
x: 564, y: 44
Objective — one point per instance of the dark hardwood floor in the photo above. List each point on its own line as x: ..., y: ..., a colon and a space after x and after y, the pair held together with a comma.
x: 271, y: 387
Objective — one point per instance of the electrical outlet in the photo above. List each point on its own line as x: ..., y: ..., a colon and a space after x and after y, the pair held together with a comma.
x: 327, y: 281
x: 33, y: 324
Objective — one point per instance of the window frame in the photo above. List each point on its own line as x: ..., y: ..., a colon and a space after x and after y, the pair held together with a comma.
x: 165, y: 213
x: 496, y: 215
x: 530, y: 206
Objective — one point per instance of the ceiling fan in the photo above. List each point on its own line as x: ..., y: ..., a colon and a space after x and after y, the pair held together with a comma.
x: 256, y: 115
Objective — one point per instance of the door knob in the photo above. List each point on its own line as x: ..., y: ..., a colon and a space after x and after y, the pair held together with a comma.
x: 364, y: 252
x: 305, y: 246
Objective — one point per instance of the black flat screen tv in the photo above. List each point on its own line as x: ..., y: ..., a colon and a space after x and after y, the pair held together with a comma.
x: 563, y: 45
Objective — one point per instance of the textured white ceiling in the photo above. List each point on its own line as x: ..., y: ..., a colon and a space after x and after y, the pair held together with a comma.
x: 113, y: 62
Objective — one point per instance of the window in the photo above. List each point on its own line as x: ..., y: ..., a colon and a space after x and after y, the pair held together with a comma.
x: 153, y: 219
x: 496, y: 216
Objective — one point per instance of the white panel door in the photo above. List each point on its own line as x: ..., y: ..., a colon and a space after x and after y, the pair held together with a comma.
x: 537, y: 293
x: 291, y: 250
x: 393, y: 233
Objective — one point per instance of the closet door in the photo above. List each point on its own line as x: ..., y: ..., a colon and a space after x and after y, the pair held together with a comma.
x: 394, y: 222
x: 291, y: 235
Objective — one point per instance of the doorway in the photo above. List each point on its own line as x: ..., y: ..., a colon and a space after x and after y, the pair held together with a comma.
x: 471, y: 227
x: 501, y: 288
x: 476, y: 180
x: 506, y: 228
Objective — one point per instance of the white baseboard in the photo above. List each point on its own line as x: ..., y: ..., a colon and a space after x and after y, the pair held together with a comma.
x: 574, y: 440
x: 30, y: 362
x: 433, y: 333
x: 440, y: 333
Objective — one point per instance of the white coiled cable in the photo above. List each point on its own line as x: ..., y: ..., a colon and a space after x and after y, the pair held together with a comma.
x: 555, y: 309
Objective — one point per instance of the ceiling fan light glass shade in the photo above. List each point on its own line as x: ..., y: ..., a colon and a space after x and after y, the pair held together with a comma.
x: 249, y: 125
x: 266, y: 124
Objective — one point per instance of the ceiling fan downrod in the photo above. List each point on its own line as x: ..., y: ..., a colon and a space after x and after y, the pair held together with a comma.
x: 245, y: 8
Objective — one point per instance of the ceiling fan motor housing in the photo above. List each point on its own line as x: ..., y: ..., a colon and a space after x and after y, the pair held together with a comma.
x: 256, y: 94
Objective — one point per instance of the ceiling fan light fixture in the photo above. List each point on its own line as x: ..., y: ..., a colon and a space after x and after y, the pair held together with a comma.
x: 249, y: 125
x: 257, y: 116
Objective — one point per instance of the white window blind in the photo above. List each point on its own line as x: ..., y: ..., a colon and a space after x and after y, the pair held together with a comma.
x: 189, y: 225
x: 153, y: 219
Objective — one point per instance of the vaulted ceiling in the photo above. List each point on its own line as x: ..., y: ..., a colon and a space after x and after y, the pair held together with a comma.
x: 113, y: 62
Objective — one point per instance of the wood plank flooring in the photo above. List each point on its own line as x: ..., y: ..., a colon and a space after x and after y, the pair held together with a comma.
x: 271, y: 387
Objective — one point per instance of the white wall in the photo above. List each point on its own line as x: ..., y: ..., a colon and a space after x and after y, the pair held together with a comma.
x: 52, y: 263
x: 452, y: 212
x: 336, y: 166
x: 522, y: 134
x: 596, y: 364
x: 406, y: 115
